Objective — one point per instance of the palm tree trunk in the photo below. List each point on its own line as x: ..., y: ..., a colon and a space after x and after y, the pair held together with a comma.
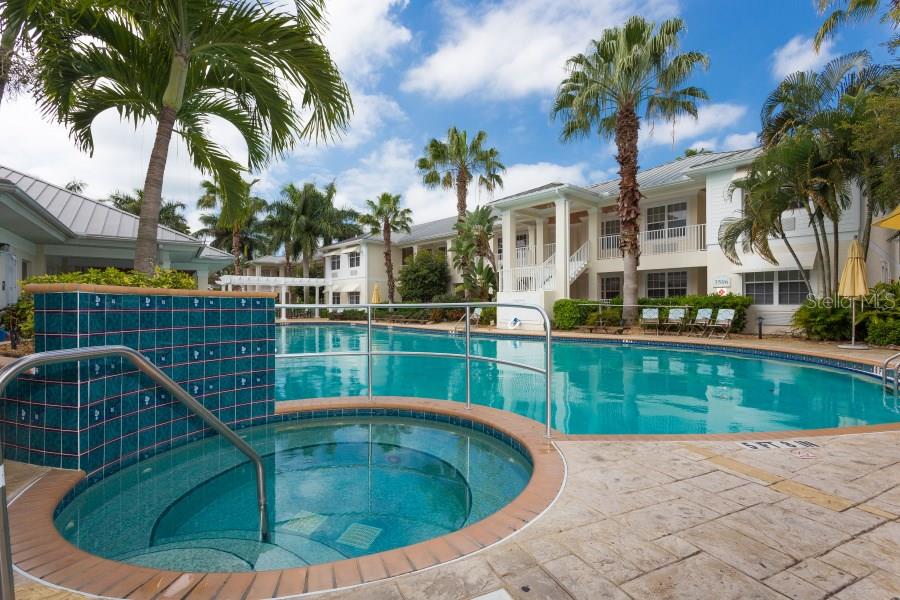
x: 145, y: 251
x: 867, y: 223
x: 462, y: 182
x: 305, y: 274
x: 819, y: 250
x: 7, y: 51
x: 800, y: 268
x: 388, y: 261
x: 627, y: 124
x: 826, y: 256
x: 835, y: 274
x: 236, y: 249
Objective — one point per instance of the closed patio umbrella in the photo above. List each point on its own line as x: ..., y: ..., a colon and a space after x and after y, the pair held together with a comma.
x: 890, y: 221
x: 853, y: 285
x: 376, y: 295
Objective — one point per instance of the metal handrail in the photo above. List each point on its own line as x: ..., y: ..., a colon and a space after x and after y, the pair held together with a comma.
x: 884, y: 370
x: 26, y: 363
x: 547, y: 371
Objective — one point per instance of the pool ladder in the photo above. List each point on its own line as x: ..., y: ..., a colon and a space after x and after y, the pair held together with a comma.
x: 27, y: 363
x: 885, y: 367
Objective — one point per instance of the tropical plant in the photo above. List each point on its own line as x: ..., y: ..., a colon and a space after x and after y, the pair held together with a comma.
x: 454, y: 162
x: 170, y: 212
x: 423, y: 277
x: 849, y: 11
x: 630, y: 69
x: 385, y: 217
x: 235, y: 210
x: 253, y: 241
x: 76, y: 186
x: 479, y: 226
x: 183, y: 62
x: 23, y: 23
x: 479, y: 279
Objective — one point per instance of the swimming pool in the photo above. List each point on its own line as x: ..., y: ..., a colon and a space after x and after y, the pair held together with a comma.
x: 598, y: 388
x: 338, y: 488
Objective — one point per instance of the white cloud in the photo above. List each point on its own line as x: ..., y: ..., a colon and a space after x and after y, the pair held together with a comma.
x: 363, y: 35
x: 740, y: 141
x: 799, y: 55
x: 708, y: 144
x: 391, y: 168
x: 711, y: 118
x: 518, y: 47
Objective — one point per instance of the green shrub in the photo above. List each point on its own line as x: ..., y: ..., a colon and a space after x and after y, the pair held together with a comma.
x: 347, y: 314
x: 883, y: 332
x: 593, y: 319
x: 827, y: 321
x: 20, y: 315
x: 488, y: 316
x: 423, y: 277
x: 567, y: 314
x: 446, y: 314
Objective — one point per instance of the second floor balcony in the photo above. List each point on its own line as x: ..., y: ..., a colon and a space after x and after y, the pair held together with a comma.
x: 672, y: 240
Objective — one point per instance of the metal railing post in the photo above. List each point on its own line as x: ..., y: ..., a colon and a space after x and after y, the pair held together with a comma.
x: 468, y: 360
x: 548, y: 370
x: 7, y: 584
x: 370, y: 375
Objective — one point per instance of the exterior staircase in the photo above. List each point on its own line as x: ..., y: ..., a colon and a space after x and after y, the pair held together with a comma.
x: 578, y: 261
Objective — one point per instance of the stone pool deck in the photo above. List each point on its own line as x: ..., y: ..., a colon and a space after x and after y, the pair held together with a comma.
x: 675, y: 519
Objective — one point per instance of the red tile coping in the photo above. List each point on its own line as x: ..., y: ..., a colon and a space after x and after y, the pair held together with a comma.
x: 40, y: 550
x: 33, y: 288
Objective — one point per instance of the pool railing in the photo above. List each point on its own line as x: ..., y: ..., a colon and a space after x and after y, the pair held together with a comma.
x: 546, y: 371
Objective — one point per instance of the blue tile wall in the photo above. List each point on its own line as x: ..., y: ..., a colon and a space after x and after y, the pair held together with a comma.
x: 101, y: 415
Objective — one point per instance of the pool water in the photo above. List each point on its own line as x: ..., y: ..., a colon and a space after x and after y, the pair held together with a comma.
x: 337, y: 489
x: 597, y: 388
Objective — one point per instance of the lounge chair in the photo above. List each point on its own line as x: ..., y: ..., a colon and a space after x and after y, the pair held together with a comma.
x: 701, y: 321
x: 650, y: 319
x: 675, y: 321
x: 722, y: 324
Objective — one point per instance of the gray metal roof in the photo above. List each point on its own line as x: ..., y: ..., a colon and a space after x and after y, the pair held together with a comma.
x: 676, y: 171
x: 418, y: 233
x: 83, y: 216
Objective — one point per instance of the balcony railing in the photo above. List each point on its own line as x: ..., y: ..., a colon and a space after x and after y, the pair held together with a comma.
x: 673, y: 240
x: 527, y: 279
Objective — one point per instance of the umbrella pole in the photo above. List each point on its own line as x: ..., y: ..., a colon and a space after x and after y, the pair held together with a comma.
x: 853, y: 321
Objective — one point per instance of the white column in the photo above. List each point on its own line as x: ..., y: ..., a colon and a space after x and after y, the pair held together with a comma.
x: 593, y: 228
x: 531, y: 236
x: 508, y: 233
x: 283, y: 301
x: 561, y: 274
x: 202, y: 279
x: 450, y: 261
x: 539, y: 241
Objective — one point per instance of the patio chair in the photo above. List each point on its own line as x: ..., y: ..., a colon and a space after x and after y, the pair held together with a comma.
x: 722, y: 324
x: 650, y: 319
x: 701, y: 321
x: 675, y: 321
x: 474, y: 318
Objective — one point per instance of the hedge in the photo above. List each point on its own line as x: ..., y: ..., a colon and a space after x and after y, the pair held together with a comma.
x: 572, y: 313
x: 877, y: 317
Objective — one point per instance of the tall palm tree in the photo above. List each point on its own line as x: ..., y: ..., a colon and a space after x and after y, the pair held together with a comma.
x: 171, y: 213
x: 456, y: 161
x: 181, y: 62
x: 630, y: 69
x: 234, y: 211
x: 385, y: 217
x: 22, y: 25
x: 253, y: 237
x: 855, y: 11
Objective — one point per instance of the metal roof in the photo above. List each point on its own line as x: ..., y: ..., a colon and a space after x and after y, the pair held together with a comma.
x: 83, y: 216
x: 676, y: 171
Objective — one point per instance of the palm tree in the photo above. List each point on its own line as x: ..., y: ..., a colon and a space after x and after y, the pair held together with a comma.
x: 630, y: 69
x: 253, y: 238
x: 235, y: 210
x: 170, y: 213
x: 479, y: 225
x: 182, y: 62
x: 385, y: 217
x: 22, y: 25
x: 455, y: 162
x: 855, y: 11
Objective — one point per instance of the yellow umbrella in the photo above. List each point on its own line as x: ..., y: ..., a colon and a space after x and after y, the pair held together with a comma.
x: 853, y: 285
x: 376, y: 295
x: 891, y: 221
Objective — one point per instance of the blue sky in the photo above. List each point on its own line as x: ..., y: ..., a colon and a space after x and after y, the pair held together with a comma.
x: 416, y: 67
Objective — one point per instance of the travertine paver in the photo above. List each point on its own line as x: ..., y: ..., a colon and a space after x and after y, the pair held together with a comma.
x: 697, y: 520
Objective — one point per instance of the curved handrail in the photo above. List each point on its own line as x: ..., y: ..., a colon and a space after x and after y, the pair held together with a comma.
x: 8, y: 373
x: 547, y: 371
x: 884, y: 369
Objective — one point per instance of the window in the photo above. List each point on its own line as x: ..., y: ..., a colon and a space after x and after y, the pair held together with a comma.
x: 335, y: 262
x: 612, y: 227
x: 610, y: 287
x: 670, y: 216
x: 353, y: 298
x: 521, y: 240
x: 666, y: 284
x: 760, y: 287
x: 791, y: 287
x: 335, y: 297
x: 353, y: 260
x: 406, y: 254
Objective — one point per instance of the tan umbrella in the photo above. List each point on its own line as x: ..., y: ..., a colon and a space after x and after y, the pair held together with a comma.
x: 376, y: 295
x: 853, y: 285
x: 891, y: 221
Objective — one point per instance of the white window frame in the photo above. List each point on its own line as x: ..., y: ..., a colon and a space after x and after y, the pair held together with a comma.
x: 353, y: 297
x: 353, y: 257
x: 668, y: 284
x: 335, y: 297
x: 604, y: 292
x: 335, y: 259
x: 775, y: 279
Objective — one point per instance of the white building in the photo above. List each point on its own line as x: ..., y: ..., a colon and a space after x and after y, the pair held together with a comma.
x: 566, y: 240
x: 46, y: 229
